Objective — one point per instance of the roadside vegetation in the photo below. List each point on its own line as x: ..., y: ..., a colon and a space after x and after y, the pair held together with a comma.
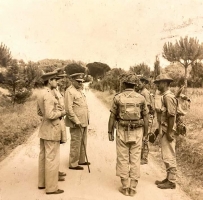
x: 189, y: 148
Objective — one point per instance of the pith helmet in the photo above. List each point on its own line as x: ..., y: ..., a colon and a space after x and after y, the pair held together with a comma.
x: 129, y: 78
x: 163, y: 77
x: 78, y: 76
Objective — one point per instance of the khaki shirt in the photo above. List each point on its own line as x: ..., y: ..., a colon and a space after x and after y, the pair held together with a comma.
x: 50, y: 128
x: 76, y: 107
x: 145, y: 92
x: 139, y: 99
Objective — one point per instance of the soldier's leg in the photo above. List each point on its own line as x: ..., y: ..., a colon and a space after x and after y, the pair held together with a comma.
x: 75, y: 143
x: 122, y: 165
x: 41, y: 172
x: 135, y: 150
x: 169, y: 158
x: 144, y: 152
x: 82, y: 150
x: 52, y: 152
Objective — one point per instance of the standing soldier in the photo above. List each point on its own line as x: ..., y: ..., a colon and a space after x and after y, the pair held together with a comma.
x: 77, y: 119
x: 130, y: 111
x: 50, y: 135
x: 146, y: 93
x: 166, y: 117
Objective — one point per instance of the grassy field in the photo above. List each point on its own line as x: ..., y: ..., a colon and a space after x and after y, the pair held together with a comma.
x: 17, y: 123
x: 189, y: 148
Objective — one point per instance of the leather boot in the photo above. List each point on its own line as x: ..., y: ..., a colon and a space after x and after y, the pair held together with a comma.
x: 167, y: 185
x: 133, y: 185
x: 125, y: 188
x: 157, y: 182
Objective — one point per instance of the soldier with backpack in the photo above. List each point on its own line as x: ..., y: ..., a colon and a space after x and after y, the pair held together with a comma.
x: 166, y: 117
x: 129, y: 111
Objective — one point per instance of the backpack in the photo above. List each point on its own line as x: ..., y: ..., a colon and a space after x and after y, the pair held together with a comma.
x: 183, y: 106
x: 128, y: 108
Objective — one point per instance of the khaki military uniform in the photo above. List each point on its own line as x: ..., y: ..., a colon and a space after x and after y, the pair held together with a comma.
x: 145, y: 149
x: 169, y: 108
x: 76, y: 113
x: 50, y: 136
x: 128, y: 153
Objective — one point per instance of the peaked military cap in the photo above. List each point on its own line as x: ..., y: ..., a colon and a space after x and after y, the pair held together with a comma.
x: 142, y: 78
x: 163, y: 77
x: 49, y: 75
x: 77, y: 76
x: 59, y: 76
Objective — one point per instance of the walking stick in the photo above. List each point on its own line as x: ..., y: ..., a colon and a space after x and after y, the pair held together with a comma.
x: 82, y: 132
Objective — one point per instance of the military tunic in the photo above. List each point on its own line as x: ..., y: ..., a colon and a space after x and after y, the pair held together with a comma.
x: 128, y: 154
x: 76, y: 113
x: 50, y: 135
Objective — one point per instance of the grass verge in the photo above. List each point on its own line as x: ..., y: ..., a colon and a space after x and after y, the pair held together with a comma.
x: 189, y: 149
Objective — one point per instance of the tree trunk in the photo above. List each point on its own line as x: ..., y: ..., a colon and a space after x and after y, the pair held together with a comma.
x: 186, y: 79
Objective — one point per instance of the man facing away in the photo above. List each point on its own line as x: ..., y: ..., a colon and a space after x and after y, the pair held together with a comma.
x: 50, y: 135
x: 77, y: 118
x: 166, y: 117
x: 129, y: 110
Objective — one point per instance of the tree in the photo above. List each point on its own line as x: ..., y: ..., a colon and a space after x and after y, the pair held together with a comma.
x: 5, y: 56
x: 97, y: 69
x: 157, y: 68
x: 141, y: 69
x: 185, y: 51
x: 74, y: 68
x: 197, y: 74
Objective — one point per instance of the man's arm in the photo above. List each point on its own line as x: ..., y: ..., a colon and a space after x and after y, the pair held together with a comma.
x: 111, y: 123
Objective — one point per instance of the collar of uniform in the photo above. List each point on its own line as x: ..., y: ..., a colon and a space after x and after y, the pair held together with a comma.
x: 166, y: 92
x: 129, y: 89
x: 48, y: 89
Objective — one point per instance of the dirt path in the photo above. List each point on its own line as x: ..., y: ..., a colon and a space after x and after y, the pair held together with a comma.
x: 18, y: 172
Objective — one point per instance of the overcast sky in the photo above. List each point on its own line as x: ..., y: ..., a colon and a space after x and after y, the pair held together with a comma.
x: 120, y: 33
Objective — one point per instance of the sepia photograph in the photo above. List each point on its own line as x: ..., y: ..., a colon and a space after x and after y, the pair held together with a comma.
x: 101, y: 100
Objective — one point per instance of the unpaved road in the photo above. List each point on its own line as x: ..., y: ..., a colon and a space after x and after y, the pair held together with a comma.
x: 18, y: 172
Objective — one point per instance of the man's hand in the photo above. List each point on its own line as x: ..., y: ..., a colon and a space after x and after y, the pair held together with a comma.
x: 111, y: 136
x: 63, y: 113
x: 59, y: 107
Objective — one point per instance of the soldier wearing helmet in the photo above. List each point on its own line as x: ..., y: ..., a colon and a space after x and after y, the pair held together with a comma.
x: 166, y: 116
x: 130, y: 114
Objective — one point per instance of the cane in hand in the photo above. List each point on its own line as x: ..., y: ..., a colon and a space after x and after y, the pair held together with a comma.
x: 82, y: 132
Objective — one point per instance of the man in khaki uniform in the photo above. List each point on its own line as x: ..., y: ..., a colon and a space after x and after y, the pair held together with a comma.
x: 77, y: 118
x: 166, y: 117
x: 50, y: 135
x: 130, y: 111
x: 146, y: 94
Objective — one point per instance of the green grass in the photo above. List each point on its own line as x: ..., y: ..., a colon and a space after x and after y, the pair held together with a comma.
x: 17, y: 123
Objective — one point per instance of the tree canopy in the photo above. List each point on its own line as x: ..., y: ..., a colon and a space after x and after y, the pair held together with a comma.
x: 141, y: 69
x: 97, y: 69
x: 5, y: 55
x: 185, y: 51
x: 74, y: 68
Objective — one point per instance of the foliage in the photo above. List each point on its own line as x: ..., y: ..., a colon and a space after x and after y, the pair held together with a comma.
x: 185, y: 51
x: 5, y: 55
x: 74, y: 68
x: 197, y: 74
x: 157, y: 68
x: 141, y: 69
x: 97, y: 69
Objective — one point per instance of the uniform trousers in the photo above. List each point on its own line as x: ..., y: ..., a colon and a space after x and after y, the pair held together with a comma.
x: 169, y: 157
x: 77, y: 152
x: 128, y: 156
x: 49, y: 165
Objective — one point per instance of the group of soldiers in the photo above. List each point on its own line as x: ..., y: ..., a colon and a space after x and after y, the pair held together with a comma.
x: 131, y: 114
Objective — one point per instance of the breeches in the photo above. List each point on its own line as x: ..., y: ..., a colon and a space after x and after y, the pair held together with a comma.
x: 49, y: 165
x: 77, y: 151
x: 128, y: 157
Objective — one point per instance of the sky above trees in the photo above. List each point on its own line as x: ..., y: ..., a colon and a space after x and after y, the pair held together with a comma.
x: 117, y: 32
